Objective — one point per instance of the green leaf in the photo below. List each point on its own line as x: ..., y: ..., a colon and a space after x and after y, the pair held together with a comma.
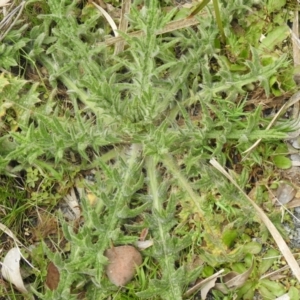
x: 252, y: 248
x: 268, y: 287
x: 274, y: 38
x: 281, y: 149
x: 282, y: 162
x: 275, y: 5
x: 267, y: 261
x: 247, y: 290
x: 239, y: 268
x: 229, y: 237
x: 294, y: 293
x: 275, y: 86
x: 207, y: 271
x: 3, y: 82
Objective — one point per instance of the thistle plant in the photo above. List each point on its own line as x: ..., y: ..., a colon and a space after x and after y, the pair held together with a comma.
x: 145, y: 122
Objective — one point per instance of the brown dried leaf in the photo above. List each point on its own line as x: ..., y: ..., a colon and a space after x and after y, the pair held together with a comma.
x: 207, y: 287
x: 205, y: 283
x: 294, y: 203
x: 233, y: 280
x: 123, y: 261
x: 53, y: 276
x: 144, y: 234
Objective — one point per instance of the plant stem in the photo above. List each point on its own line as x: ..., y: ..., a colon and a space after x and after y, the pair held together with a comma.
x: 219, y: 20
x: 173, y: 169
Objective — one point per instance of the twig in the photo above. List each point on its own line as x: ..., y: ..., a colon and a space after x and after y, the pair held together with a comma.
x: 171, y: 26
x: 123, y: 26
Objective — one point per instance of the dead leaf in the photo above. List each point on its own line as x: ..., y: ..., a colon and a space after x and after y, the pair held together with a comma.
x: 72, y: 210
x: 53, y: 276
x: 207, y: 287
x: 278, y: 277
x: 294, y: 203
x: 205, y: 284
x: 11, y: 269
x: 108, y: 18
x: 123, y: 261
x: 285, y: 193
x: 233, y: 280
x: 142, y: 245
x: 143, y: 234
